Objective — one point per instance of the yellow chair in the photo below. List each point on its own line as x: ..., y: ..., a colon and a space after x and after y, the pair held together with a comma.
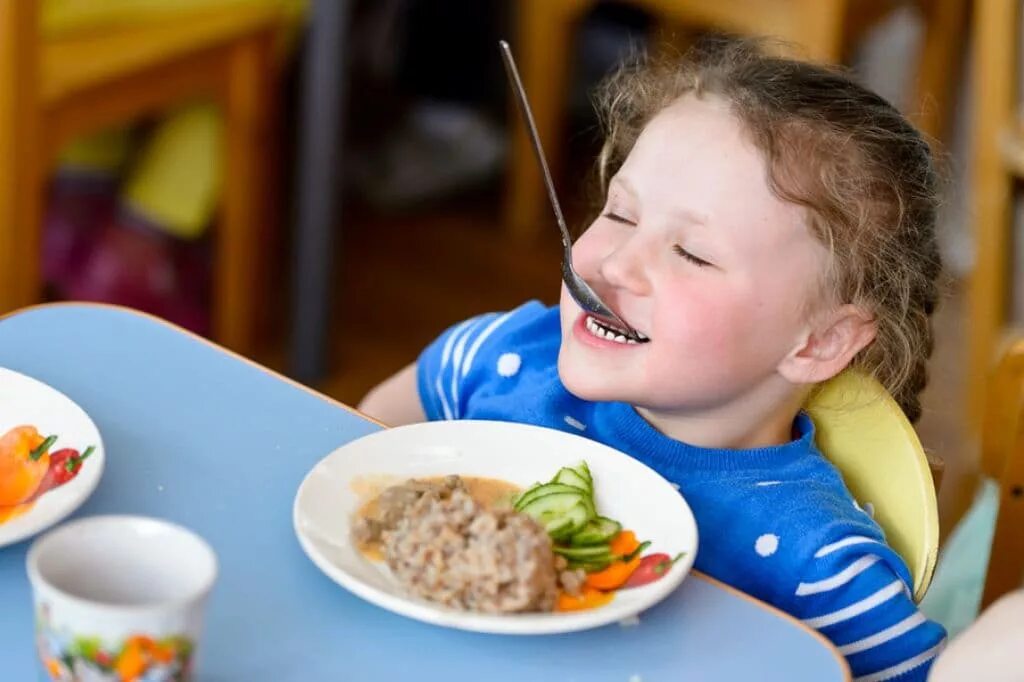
x: 1002, y: 459
x: 865, y: 434
x: 57, y: 86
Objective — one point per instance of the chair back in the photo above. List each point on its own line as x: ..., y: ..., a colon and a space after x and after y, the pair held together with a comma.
x: 1002, y: 459
x: 865, y: 434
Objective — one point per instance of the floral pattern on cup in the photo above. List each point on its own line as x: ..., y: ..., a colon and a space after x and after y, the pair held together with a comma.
x: 139, y: 658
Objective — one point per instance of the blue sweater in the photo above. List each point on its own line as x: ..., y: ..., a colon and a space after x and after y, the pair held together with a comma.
x: 775, y: 522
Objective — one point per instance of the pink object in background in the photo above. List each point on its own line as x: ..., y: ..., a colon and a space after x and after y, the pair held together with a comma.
x: 132, y: 264
x: 77, y: 207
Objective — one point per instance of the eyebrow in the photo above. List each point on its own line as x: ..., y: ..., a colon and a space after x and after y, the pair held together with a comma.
x: 681, y: 213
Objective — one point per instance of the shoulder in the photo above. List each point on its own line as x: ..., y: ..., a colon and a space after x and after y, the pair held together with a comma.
x: 528, y: 321
x: 470, y: 355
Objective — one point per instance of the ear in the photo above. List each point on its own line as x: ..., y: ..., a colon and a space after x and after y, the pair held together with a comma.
x: 830, y: 346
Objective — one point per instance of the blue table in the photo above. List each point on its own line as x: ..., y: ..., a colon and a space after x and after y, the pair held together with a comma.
x: 203, y: 438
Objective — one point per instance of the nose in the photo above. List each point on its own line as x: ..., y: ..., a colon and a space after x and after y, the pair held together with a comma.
x: 627, y: 265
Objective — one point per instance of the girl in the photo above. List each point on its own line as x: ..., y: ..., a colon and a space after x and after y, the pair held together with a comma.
x: 767, y: 223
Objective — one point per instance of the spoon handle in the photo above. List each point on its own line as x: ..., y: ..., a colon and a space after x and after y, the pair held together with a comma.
x: 524, y: 108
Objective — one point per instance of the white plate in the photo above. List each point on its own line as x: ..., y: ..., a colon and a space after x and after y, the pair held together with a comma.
x: 625, y: 490
x: 26, y: 401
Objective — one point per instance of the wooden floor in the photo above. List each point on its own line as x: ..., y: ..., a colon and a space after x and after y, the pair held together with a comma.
x: 402, y: 279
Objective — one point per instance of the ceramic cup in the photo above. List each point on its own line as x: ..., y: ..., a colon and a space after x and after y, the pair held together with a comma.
x: 120, y: 598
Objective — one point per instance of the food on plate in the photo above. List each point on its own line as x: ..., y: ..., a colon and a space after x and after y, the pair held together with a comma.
x: 28, y: 468
x: 480, y: 544
x: 651, y: 568
x: 454, y: 551
x: 456, y: 541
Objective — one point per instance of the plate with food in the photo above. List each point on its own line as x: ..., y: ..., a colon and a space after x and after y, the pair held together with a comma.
x: 51, y: 456
x: 495, y: 527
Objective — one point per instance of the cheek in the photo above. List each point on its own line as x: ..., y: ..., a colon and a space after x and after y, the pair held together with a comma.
x: 590, y: 249
x: 723, y: 323
x: 707, y: 332
x: 568, y: 309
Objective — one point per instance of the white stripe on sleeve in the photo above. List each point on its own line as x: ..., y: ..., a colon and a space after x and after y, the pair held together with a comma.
x: 900, y: 668
x: 845, y: 542
x: 457, y: 361
x: 444, y: 401
x: 857, y: 608
x: 446, y: 354
x: 468, y: 362
x: 839, y: 579
x: 886, y: 635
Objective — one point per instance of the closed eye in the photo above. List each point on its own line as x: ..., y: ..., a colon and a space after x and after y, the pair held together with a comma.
x: 614, y: 217
x: 699, y: 262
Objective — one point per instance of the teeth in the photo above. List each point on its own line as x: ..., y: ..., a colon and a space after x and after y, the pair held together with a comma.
x: 602, y: 331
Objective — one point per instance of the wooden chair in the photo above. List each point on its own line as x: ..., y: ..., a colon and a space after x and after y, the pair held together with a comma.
x: 1002, y: 459
x: 864, y: 433
x: 997, y: 143
x: 824, y: 28
x: 52, y: 90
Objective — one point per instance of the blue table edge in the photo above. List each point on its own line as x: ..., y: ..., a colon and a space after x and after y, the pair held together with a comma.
x: 337, y: 403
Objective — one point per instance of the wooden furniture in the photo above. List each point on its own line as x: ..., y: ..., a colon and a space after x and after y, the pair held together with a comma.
x: 997, y: 161
x: 823, y: 28
x: 1002, y: 459
x: 52, y: 90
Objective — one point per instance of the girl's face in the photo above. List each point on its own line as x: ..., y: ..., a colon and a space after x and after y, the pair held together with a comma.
x: 694, y: 251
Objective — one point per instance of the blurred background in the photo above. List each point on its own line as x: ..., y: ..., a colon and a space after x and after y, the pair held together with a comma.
x: 325, y: 185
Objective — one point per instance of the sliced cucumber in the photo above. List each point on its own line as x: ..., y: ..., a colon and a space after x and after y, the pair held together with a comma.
x: 584, y: 472
x: 554, y: 506
x: 596, y: 532
x: 560, y: 528
x: 565, y: 507
x: 594, y: 554
x: 591, y: 566
x: 546, y: 489
x: 571, y: 522
x: 572, y: 477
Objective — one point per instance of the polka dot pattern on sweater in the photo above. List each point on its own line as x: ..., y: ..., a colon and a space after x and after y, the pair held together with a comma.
x: 509, y: 364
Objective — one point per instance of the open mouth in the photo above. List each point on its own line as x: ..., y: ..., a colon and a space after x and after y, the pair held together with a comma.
x: 610, y: 332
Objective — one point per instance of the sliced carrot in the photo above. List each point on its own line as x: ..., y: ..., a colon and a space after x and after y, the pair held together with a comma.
x: 588, y: 598
x: 615, y: 576
x: 624, y: 543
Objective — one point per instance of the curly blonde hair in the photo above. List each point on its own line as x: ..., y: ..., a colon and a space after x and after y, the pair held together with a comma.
x: 867, y: 178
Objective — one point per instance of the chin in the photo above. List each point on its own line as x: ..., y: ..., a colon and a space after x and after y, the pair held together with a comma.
x: 584, y: 384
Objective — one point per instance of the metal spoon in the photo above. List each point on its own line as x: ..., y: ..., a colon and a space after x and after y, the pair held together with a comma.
x: 578, y: 287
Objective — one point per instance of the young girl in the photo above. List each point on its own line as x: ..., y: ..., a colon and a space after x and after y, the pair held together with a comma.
x: 767, y: 224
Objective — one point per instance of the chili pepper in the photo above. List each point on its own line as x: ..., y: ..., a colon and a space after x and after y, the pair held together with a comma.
x: 66, y: 463
x: 652, y: 567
